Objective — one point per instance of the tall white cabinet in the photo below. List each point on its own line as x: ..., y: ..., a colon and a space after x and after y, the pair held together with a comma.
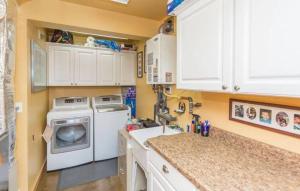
x: 204, y: 40
x: 244, y: 46
x: 81, y: 66
x: 267, y: 47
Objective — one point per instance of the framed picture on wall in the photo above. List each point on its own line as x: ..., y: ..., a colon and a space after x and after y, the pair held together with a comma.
x: 273, y: 117
x: 140, y: 64
x: 145, y: 67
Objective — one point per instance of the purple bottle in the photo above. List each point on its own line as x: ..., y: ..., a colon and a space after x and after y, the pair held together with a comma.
x: 205, y: 128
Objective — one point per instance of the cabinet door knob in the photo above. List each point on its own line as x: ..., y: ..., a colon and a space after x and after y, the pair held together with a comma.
x: 224, y: 87
x: 165, y: 169
x: 237, y: 88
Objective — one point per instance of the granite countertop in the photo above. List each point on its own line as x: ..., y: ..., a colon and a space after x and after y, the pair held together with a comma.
x: 226, y: 161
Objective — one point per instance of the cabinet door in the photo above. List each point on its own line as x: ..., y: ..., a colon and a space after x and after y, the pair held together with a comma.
x: 85, y: 67
x: 106, y: 68
x: 61, y: 66
x: 157, y: 182
x: 204, y: 53
x: 127, y: 68
x: 267, y: 47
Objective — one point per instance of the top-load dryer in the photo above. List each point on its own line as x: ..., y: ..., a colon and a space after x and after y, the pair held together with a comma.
x: 72, y: 141
x: 110, y: 115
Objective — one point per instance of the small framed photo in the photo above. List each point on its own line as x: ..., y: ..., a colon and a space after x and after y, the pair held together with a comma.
x: 273, y: 117
x: 140, y: 64
x: 145, y: 67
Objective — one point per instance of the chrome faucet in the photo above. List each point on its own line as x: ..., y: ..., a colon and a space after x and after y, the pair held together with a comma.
x: 164, y: 119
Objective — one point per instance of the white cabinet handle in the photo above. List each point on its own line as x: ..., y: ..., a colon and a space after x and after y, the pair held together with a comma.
x: 165, y: 169
x: 237, y: 88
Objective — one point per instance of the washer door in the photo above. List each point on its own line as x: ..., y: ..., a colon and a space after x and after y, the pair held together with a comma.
x: 70, y: 135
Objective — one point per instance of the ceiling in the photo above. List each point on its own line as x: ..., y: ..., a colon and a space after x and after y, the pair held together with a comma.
x: 151, y: 9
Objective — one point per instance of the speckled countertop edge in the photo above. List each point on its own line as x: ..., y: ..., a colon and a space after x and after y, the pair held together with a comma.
x: 226, y: 137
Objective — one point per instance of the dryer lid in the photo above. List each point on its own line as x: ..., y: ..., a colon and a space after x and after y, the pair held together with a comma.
x: 111, y: 108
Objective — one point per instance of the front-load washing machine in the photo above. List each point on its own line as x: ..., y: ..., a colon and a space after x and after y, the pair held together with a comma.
x: 72, y: 141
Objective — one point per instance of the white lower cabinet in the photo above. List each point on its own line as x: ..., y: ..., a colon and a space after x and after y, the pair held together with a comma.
x: 164, y: 177
x: 70, y: 65
x: 156, y: 181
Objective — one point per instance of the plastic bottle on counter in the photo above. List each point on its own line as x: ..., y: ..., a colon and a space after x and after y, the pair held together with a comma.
x: 193, y: 127
x: 205, y: 128
x: 197, y: 123
x: 188, y: 128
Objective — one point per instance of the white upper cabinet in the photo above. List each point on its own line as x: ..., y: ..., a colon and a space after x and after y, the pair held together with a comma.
x: 204, y: 46
x: 81, y: 66
x: 60, y: 66
x: 243, y: 46
x: 127, y: 63
x: 85, y: 67
x: 106, y: 67
x: 267, y: 47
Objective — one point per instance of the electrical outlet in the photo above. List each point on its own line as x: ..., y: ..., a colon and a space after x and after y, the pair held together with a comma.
x: 19, y: 107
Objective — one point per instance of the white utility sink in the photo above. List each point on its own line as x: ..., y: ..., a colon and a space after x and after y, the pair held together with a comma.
x: 142, y: 135
x: 139, y: 137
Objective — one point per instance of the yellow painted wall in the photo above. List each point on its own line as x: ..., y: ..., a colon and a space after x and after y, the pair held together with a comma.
x: 68, y: 14
x: 30, y: 154
x: 216, y: 109
x: 37, y: 110
x: 21, y: 85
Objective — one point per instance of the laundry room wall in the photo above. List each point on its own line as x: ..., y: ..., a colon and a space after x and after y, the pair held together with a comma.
x: 30, y: 147
x: 37, y: 111
x: 215, y: 107
x: 57, y: 14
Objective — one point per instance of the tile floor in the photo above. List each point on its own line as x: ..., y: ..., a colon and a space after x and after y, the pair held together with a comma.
x: 49, y: 182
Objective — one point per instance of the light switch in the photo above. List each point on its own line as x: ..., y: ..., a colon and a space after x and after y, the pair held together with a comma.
x: 19, y: 107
